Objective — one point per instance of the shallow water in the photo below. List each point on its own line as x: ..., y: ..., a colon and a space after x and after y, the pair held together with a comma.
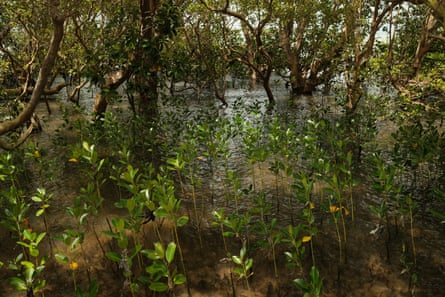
x: 369, y: 271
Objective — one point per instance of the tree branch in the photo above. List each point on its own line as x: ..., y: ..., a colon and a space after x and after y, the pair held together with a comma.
x: 45, y: 70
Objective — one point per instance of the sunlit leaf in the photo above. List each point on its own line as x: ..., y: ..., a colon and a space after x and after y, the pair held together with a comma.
x: 61, y: 258
x: 179, y: 279
x: 18, y: 283
x: 170, y: 252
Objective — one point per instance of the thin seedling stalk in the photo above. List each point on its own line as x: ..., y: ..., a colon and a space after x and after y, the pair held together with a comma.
x: 195, y: 206
x: 181, y: 256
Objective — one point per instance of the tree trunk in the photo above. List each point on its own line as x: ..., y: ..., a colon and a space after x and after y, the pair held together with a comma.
x: 112, y: 82
x: 147, y: 78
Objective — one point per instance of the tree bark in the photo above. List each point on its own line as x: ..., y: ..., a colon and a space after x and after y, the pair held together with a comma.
x: 111, y: 83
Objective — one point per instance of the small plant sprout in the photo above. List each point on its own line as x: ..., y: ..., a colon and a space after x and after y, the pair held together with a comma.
x: 312, y: 287
x: 272, y: 239
x: 30, y: 266
x: 244, y: 265
x: 219, y: 221
x: 162, y: 273
x: 294, y: 257
x: 43, y: 203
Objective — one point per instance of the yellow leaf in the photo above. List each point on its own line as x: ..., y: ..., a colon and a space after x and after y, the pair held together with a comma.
x: 333, y: 209
x: 73, y: 160
x: 306, y: 238
x: 36, y: 154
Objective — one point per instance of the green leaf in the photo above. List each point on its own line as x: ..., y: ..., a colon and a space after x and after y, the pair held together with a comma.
x: 39, y: 212
x: 94, y: 288
x: 249, y: 263
x: 239, y: 271
x: 157, y: 270
x: 38, y: 286
x: 170, y: 252
x: 151, y: 254
x: 34, y: 252
x: 86, y: 146
x: 159, y: 249
x: 18, y: 283
x: 113, y: 256
x: 61, y: 258
x: 122, y: 242
x: 158, y: 287
x: 119, y: 224
x: 131, y: 204
x: 314, y: 274
x: 182, y: 221
x: 179, y: 279
x: 29, y: 275
x: 28, y: 235
x: 36, y: 199
x: 83, y: 218
x: 161, y: 213
x: 302, y: 284
x: 40, y: 237
x: 27, y: 264
x: 237, y: 260
x: 111, y: 234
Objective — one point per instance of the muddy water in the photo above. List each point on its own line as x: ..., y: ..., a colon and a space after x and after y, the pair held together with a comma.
x: 373, y: 267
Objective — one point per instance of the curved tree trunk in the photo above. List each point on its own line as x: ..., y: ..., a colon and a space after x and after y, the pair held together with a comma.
x: 111, y: 83
x: 45, y: 70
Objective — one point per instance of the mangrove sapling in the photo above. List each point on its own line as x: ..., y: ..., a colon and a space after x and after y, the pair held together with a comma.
x: 15, y: 212
x: 206, y: 134
x: 261, y: 208
x: 272, y: 237
x: 407, y: 207
x: 35, y: 153
x: 169, y: 205
x: 338, y: 212
x: 304, y: 187
x: 279, y: 145
x: 223, y: 136
x: 384, y: 183
x: 292, y: 236
x: 349, y: 181
x: 238, y: 226
x: 9, y: 172
x: 162, y: 275
x: 43, y: 200
x: 417, y: 147
x: 233, y: 183
x: 125, y: 257
x: 177, y: 164
x: 219, y: 222
x: 253, y: 148
x: 30, y: 266
x: 244, y: 265
x: 93, y: 288
x: 185, y: 161
x: 90, y: 154
x: 313, y: 287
